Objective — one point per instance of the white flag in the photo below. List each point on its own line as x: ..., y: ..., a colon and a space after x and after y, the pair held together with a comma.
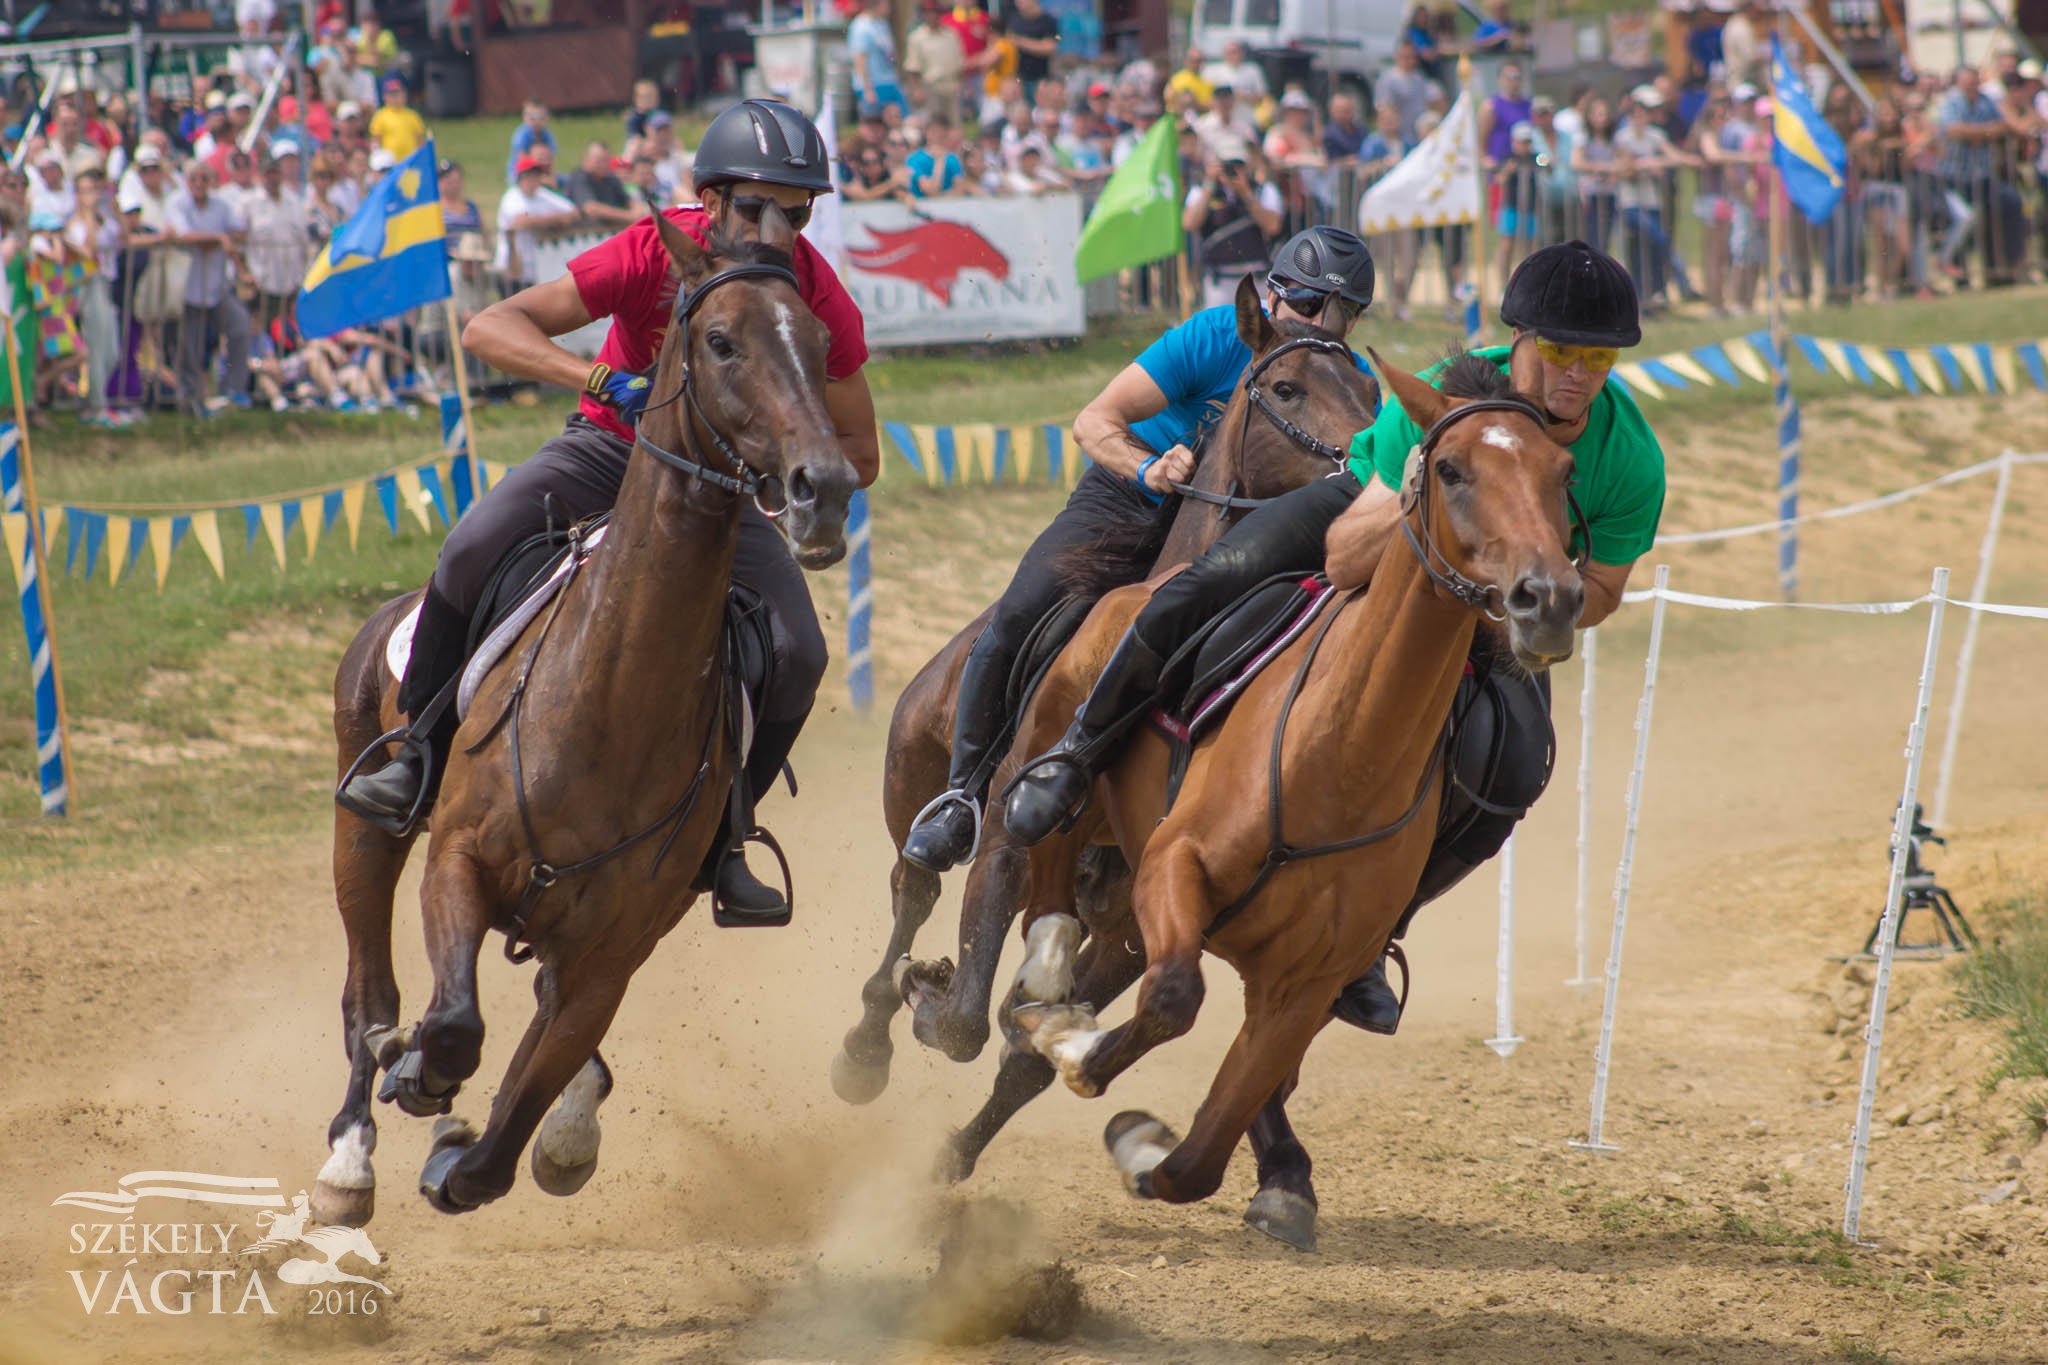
x: 825, y: 230
x: 1435, y: 184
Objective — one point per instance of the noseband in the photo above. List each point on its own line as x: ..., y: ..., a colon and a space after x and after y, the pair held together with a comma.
x: 744, y: 479
x: 1427, y: 553
x: 1256, y: 398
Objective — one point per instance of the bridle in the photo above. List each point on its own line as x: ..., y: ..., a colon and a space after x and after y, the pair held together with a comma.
x: 744, y: 481
x: 1256, y: 398
x: 1479, y: 597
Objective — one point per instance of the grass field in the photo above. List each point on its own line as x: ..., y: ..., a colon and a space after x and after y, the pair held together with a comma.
x: 190, y: 705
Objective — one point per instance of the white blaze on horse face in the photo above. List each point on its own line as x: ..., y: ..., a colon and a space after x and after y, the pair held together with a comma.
x: 1048, y: 971
x: 569, y: 1134
x: 1500, y: 438
x: 348, y: 1165
x: 785, y: 327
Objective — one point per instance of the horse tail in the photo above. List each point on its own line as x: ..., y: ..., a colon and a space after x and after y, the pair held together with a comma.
x: 1119, y: 550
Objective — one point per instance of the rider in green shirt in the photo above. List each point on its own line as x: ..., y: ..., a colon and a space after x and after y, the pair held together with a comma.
x: 1572, y: 309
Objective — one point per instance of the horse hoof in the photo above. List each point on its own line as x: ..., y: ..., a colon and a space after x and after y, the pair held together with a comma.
x: 405, y: 1086
x: 345, y: 1208
x: 1284, y: 1216
x: 452, y: 1138
x: 556, y: 1179
x: 1137, y: 1143
x: 858, y: 1082
x: 953, y: 1165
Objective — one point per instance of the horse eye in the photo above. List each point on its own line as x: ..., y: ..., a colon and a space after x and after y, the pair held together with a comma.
x: 1285, y: 391
x: 720, y: 345
x: 1449, y: 475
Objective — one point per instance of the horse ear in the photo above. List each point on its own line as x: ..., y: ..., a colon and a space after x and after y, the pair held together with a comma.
x: 776, y: 232
x: 1254, y: 328
x: 693, y: 260
x: 1423, y: 404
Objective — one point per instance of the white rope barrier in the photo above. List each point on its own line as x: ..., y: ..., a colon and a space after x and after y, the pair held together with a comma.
x: 1505, y: 1040
x: 1594, y: 1141
x: 1902, y: 832
x: 1952, y: 732
x: 1591, y: 646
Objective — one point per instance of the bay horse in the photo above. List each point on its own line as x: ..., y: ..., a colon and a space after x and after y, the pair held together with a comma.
x: 1295, y: 843
x: 587, y: 779
x: 1298, y: 383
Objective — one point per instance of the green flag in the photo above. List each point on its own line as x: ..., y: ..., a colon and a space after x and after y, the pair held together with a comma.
x: 1137, y: 219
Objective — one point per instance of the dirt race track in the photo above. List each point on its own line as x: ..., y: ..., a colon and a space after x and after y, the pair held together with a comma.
x: 183, y: 1017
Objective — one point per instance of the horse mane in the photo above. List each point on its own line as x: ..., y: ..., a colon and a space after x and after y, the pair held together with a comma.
x: 746, y: 251
x: 1466, y: 375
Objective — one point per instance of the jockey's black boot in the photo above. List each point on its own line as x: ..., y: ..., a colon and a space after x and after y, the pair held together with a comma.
x: 440, y: 643
x: 1052, y: 789
x: 742, y: 900
x: 1370, y: 1003
x: 948, y: 829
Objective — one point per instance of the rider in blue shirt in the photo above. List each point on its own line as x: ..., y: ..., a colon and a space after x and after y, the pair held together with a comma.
x: 1140, y: 432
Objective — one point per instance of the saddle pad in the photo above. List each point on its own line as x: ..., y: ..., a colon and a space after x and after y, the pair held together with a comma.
x: 398, y: 649
x: 1242, y: 635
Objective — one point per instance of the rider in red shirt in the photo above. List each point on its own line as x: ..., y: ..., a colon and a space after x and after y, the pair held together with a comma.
x: 755, y: 151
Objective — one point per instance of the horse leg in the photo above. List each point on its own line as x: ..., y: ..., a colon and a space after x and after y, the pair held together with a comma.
x: 1285, y: 1206
x: 949, y: 1006
x: 465, y: 1171
x: 1104, y: 970
x: 860, y: 1070
x: 1276, y: 1033
x: 448, y: 1043
x: 565, y: 1149
x: 367, y: 865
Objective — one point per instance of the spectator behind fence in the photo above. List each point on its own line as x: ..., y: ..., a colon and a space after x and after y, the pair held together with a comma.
x: 1237, y: 70
x: 1975, y: 131
x: 209, y: 231
x: 935, y: 61
x: 1036, y: 36
x: 280, y: 236
x: 93, y: 239
x: 1294, y: 148
x: 459, y: 213
x: 596, y: 190
x: 397, y: 126
x: 1593, y: 162
x: 1742, y: 47
x: 1406, y: 88
x: 671, y: 162
x: 1507, y: 106
x: 1227, y: 124
x: 1497, y: 32
x: 528, y: 207
x: 865, y: 176
x: 1517, y: 190
x: 1232, y: 214
x: 1344, y: 134
x: 532, y: 131
x: 343, y: 78
x: 1879, y: 153
x: 1190, y: 82
x: 1032, y: 175
x: 871, y: 45
x: 51, y: 200
x: 646, y: 104
x: 1642, y: 154
x: 1396, y: 251
x: 67, y: 138
x: 375, y: 46
x: 935, y: 168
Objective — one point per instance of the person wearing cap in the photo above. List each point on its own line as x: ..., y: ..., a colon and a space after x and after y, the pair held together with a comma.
x: 1140, y: 433
x: 528, y: 207
x: 396, y: 126
x: 1227, y: 124
x: 759, y: 166
x: 935, y: 61
x: 51, y: 199
x: 1518, y: 190
x: 1233, y: 213
x: 532, y: 131
x: 1571, y: 311
x: 350, y: 132
x: 671, y: 162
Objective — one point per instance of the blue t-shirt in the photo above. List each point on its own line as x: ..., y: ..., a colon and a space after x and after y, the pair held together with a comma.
x: 1197, y: 366
x: 524, y: 139
x: 870, y: 36
x: 921, y: 164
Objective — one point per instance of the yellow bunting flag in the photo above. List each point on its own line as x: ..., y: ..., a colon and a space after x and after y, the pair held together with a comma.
x: 160, y: 548
x: 53, y: 525
x: 494, y: 473
x: 119, y: 538
x: 1972, y: 368
x: 1836, y: 357
x: 309, y: 517
x: 413, y: 497
x: 983, y: 437
x: 14, y: 530
x: 1744, y: 357
x: 2006, y: 366
x: 444, y: 470
x: 1023, y: 452
x: 352, y: 509
x: 1881, y: 365
x: 272, y: 516
x: 206, y: 530
x: 1928, y: 373
x: 925, y: 438
x: 1632, y: 375
x: 1685, y: 366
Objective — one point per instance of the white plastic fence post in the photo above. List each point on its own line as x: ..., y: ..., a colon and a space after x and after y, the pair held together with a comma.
x: 1591, y: 642
x: 1505, y: 1040
x: 1623, y: 872
x: 1888, y: 932
x: 1953, y: 731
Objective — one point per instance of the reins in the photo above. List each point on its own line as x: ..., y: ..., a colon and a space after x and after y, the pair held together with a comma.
x: 1256, y: 398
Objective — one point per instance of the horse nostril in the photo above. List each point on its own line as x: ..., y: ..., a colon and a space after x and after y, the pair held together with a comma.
x: 1526, y: 597
x: 802, y: 493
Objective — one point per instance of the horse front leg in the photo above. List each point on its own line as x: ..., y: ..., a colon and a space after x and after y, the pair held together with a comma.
x: 950, y: 1006
x: 860, y: 1069
x: 367, y: 865
x: 456, y: 912
x: 1285, y: 1206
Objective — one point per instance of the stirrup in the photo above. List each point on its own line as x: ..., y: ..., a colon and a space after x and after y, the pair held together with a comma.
x: 955, y: 796
x: 408, y: 742
x: 730, y: 919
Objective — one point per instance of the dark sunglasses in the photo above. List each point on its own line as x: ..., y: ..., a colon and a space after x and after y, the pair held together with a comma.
x: 750, y: 207
x: 1303, y: 300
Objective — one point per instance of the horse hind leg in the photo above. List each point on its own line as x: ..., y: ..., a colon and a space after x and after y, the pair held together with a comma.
x: 950, y: 1007
x: 448, y: 1043
x: 860, y: 1069
x: 1285, y: 1206
x: 565, y: 1149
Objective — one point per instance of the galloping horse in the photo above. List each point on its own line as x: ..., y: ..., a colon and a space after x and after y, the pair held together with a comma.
x: 587, y: 779
x: 1302, y: 828
x: 1262, y: 445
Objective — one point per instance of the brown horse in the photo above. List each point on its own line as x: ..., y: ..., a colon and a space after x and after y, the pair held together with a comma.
x: 1310, y: 385
x: 587, y: 779
x: 1299, y: 887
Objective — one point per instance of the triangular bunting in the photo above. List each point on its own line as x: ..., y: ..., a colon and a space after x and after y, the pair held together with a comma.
x: 926, y: 438
x: 2005, y: 368
x: 95, y: 538
x: 1909, y: 377
x: 206, y: 530
x: 999, y: 457
x: 434, y: 482
x: 387, y: 498
x: 1744, y: 357
x: 134, y: 536
x: 2029, y: 353
x: 905, y: 441
x: 1881, y: 366
x: 414, y: 496
x: 494, y: 474
x: 272, y: 515
x: 1971, y: 364
x: 1632, y: 375
x: 1715, y: 361
x: 1945, y: 362
x: 311, y: 516
x: 72, y: 541
x: 53, y: 524
x: 1023, y: 452
x: 1925, y: 370
x: 160, y: 548
x: 252, y: 522
x: 352, y: 509
x: 14, y: 530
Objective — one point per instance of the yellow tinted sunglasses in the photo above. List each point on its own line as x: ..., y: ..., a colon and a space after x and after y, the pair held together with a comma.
x: 1596, y: 359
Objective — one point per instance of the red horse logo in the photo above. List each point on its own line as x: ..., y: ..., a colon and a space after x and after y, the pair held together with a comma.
x: 933, y: 255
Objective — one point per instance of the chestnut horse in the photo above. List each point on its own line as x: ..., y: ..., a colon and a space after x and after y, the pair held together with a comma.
x: 1263, y: 444
x: 1292, y: 866
x: 588, y: 777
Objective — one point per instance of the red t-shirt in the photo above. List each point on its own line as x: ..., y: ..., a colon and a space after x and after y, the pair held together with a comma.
x: 631, y: 280
x: 971, y: 23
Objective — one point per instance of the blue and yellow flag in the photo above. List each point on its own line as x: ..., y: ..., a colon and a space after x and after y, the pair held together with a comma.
x: 391, y: 256
x: 1810, y: 156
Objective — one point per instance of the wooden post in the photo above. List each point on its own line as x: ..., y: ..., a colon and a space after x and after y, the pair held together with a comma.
x: 33, y: 508
x: 476, y: 461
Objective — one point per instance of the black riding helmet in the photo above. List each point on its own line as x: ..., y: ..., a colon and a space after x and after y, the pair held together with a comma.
x: 1326, y: 258
x: 1574, y: 295
x: 764, y: 141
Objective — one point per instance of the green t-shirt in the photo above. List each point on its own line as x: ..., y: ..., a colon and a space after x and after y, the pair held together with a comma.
x: 1620, y: 483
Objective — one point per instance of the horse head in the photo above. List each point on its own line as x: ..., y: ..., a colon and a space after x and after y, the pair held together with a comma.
x: 1300, y: 402
x: 745, y: 361
x: 1488, y: 507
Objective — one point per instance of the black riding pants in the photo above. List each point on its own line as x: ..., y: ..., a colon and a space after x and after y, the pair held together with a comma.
x: 582, y: 469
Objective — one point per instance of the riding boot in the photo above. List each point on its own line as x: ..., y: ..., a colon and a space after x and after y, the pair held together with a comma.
x: 1370, y: 1003
x: 741, y: 900
x: 1050, y: 792
x: 948, y: 829
x: 440, y: 644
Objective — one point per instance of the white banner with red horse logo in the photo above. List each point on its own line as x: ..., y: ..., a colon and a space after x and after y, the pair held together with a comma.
x: 964, y: 270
